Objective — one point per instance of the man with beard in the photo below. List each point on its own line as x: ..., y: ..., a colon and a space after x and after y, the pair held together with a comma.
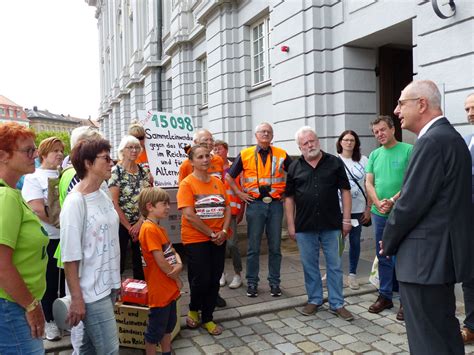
x: 312, y: 186
x: 385, y: 171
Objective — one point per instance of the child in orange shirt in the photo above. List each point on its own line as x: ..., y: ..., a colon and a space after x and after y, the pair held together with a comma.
x: 162, y: 266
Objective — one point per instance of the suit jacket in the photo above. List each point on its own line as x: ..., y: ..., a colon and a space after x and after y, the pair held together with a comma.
x: 430, y: 229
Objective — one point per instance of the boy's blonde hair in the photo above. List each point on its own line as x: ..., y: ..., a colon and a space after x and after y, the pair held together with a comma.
x: 151, y: 195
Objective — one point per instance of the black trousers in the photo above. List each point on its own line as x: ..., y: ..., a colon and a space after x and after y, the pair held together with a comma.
x: 137, y: 266
x: 432, y: 327
x: 205, y: 267
x: 52, y: 280
x: 468, y: 291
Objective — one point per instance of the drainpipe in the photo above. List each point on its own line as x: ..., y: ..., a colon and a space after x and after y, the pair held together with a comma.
x: 159, y: 30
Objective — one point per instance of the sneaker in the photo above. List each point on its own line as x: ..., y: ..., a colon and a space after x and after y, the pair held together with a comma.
x: 275, y: 291
x: 222, y: 280
x: 309, y: 309
x: 252, y: 291
x: 236, y: 282
x: 220, y: 302
x: 51, y: 331
x: 342, y: 313
x: 352, y: 281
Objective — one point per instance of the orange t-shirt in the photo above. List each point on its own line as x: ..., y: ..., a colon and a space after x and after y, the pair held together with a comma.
x: 142, y: 158
x: 216, y: 168
x: 209, y: 201
x: 162, y: 290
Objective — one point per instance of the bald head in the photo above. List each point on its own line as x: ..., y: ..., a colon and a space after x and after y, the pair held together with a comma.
x: 203, y: 137
x: 428, y: 90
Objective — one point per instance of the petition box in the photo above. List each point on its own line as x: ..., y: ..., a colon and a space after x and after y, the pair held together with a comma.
x: 132, y: 322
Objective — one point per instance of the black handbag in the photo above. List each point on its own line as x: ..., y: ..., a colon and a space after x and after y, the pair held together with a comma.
x: 369, y: 223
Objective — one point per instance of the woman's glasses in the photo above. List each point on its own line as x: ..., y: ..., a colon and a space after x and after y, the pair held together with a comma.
x: 30, y: 152
x: 107, y: 158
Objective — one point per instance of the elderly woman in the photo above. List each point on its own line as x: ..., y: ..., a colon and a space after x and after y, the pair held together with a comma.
x: 23, y: 243
x: 90, y: 249
x: 138, y: 132
x: 128, y: 179
x: 35, y: 192
x: 205, y: 221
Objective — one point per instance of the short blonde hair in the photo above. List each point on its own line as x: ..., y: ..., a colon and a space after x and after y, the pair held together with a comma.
x: 47, y: 145
x: 151, y: 195
x: 123, y: 143
x: 136, y: 130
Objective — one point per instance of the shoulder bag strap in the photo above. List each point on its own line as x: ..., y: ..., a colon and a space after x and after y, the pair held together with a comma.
x: 355, y: 180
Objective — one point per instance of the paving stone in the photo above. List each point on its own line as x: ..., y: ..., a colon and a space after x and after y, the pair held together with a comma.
x: 396, y: 328
x: 338, y: 322
x: 383, y: 321
x: 287, y: 348
x: 293, y: 323
x: 261, y: 328
x: 231, y: 324
x: 270, y: 352
x: 351, y: 329
x: 213, y: 349
x: 241, y: 331
x: 306, y: 330
x: 273, y: 338
x: 373, y: 353
x: 295, y: 338
x: 330, y: 331
x: 285, y: 330
x: 250, y: 320
x: 355, y: 309
x: 251, y: 338
x: 361, y: 323
x: 385, y: 346
x: 343, y: 352
x: 241, y: 350
x: 181, y: 343
x: 230, y: 342
x: 344, y: 339
x: 376, y: 330
x: 187, y: 333
x: 370, y: 316
x: 330, y: 345
x: 187, y: 351
x: 259, y: 345
x: 366, y: 337
x: 318, y: 338
x: 275, y: 324
x: 358, y: 347
x: 324, y: 315
x: 288, y: 313
x: 308, y: 347
x: 204, y: 339
x: 353, y: 299
x: 395, y: 339
x: 407, y: 348
x: 268, y: 316
x: 318, y: 324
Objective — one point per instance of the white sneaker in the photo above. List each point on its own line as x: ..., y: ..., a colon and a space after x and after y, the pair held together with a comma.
x: 51, y: 331
x: 352, y: 281
x: 222, y: 280
x: 236, y: 282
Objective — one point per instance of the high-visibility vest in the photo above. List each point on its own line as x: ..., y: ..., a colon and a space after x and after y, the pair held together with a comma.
x: 272, y: 173
x: 235, y: 201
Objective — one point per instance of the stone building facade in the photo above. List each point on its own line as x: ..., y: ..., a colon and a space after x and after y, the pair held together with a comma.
x: 330, y: 64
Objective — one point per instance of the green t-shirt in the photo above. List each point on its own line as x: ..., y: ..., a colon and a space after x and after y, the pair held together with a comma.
x: 66, y: 178
x: 21, y: 230
x: 388, y: 167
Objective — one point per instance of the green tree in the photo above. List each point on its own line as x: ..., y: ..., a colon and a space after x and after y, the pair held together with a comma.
x: 65, y: 137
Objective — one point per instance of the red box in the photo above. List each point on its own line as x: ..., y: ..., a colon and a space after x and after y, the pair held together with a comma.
x: 135, y: 291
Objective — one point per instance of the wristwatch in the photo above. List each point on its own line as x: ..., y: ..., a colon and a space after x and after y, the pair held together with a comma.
x: 31, y: 307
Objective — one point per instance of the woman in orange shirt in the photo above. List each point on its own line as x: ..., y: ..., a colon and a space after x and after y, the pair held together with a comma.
x: 206, y: 218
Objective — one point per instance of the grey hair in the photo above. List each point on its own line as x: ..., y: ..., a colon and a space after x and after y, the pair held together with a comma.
x: 123, y: 143
x: 198, y: 133
x: 429, y: 90
x: 468, y: 96
x: 303, y: 130
x: 84, y: 132
x: 261, y: 124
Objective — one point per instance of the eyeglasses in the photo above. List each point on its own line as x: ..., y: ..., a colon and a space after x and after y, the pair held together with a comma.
x: 265, y: 132
x: 348, y: 140
x: 107, y: 158
x: 134, y: 148
x: 400, y: 102
x: 141, y: 138
x: 30, y: 152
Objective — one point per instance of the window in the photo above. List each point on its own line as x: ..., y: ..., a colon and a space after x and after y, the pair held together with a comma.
x: 204, y: 92
x: 260, y: 51
x: 2, y: 111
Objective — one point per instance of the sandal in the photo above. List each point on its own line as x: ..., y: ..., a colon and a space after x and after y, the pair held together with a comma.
x: 212, y: 328
x: 467, y: 335
x: 192, y: 320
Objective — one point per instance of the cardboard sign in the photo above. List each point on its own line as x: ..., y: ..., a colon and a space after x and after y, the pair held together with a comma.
x: 166, y: 134
x: 132, y: 322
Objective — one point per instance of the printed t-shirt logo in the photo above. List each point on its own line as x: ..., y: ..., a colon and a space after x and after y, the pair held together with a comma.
x: 210, y: 206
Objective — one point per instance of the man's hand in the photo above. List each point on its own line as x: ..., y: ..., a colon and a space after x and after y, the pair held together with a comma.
x: 220, y: 238
x: 365, y: 218
x: 135, y: 230
x: 77, y: 311
x: 245, y: 197
x: 36, y: 321
x: 346, y: 228
x: 174, y: 274
x: 292, y: 232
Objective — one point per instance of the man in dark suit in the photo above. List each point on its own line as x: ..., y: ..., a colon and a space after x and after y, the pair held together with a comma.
x: 429, y: 229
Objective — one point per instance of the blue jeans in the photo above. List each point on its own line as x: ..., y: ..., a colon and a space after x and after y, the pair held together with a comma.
x: 388, y: 281
x: 354, y: 244
x: 260, y: 217
x: 232, y: 246
x: 308, y: 244
x: 100, y: 328
x: 15, y: 333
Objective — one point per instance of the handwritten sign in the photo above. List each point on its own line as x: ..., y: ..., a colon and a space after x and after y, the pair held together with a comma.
x: 166, y: 134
